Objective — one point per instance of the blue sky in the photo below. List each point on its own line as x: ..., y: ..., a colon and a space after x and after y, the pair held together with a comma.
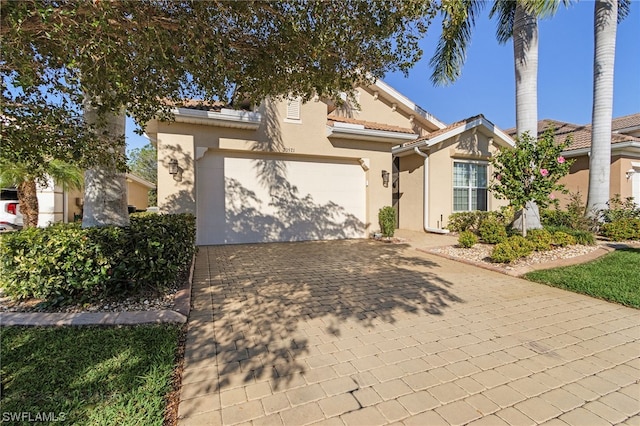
x: 565, y: 73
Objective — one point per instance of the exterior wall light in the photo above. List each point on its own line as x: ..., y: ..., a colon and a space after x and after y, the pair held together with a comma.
x: 385, y: 178
x: 630, y: 173
x: 173, y: 167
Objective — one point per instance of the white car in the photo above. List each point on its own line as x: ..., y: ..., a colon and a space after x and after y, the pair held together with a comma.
x: 10, y: 216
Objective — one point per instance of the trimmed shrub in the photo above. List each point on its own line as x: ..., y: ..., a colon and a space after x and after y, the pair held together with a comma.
x: 622, y: 229
x: 562, y: 239
x: 471, y: 221
x: 387, y: 219
x: 467, y: 239
x: 540, y: 238
x: 66, y: 261
x: 511, y: 249
x: 492, y: 232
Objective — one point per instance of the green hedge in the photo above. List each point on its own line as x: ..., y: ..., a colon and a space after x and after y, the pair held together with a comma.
x: 65, y: 261
x: 622, y: 229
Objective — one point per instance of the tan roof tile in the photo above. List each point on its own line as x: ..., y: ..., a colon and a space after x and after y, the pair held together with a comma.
x: 580, y: 133
x: 631, y: 120
x: 445, y: 130
x: 368, y: 124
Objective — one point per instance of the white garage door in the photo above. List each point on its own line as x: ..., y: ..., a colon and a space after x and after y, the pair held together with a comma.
x: 242, y: 200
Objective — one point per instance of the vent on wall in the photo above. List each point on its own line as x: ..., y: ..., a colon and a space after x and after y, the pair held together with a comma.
x: 293, y: 109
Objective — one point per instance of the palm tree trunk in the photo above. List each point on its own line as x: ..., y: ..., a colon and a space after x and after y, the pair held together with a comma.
x: 525, y: 54
x: 605, y: 27
x: 105, y: 189
x: 28, y: 197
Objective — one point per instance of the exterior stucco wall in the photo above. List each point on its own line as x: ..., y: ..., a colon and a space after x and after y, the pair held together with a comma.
x: 578, y: 178
x: 176, y: 194
x: 74, y: 197
x: 276, y: 137
x: 137, y: 195
x: 472, y: 146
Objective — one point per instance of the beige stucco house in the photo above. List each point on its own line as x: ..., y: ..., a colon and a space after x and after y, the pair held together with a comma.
x: 288, y: 170
x: 625, y: 156
x: 445, y: 172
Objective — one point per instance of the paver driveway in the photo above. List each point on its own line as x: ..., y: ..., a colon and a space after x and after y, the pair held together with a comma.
x: 365, y: 333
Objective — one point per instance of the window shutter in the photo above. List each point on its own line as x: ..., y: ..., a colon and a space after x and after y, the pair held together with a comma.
x: 293, y: 109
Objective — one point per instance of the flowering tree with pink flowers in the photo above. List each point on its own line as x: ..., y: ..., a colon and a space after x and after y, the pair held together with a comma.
x: 530, y: 171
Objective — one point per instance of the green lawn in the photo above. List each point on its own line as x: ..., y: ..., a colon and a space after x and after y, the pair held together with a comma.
x: 93, y: 375
x: 614, y: 277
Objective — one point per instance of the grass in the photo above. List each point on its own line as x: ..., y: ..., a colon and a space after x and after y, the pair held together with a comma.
x: 94, y: 376
x: 614, y: 277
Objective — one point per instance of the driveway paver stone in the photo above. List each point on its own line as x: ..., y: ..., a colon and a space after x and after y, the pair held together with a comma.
x: 362, y: 332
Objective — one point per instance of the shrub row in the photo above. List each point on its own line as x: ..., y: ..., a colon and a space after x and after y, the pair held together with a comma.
x: 517, y: 246
x: 622, y: 229
x: 66, y: 261
x: 471, y: 221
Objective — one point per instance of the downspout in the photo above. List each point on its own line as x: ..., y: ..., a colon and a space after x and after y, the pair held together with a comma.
x: 426, y: 195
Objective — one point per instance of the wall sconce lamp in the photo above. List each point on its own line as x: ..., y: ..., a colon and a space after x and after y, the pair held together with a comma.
x: 173, y: 167
x: 630, y: 173
x: 385, y: 178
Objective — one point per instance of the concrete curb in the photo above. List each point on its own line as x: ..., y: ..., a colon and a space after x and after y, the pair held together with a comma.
x: 180, y: 313
x: 518, y: 272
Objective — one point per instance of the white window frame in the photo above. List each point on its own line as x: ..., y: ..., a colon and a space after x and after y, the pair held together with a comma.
x: 469, y: 188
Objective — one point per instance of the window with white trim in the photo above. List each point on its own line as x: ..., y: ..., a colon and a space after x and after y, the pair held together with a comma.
x: 293, y: 109
x: 469, y: 186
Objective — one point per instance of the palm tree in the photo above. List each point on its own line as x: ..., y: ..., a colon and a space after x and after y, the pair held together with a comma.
x: 25, y: 180
x: 607, y: 14
x: 517, y: 20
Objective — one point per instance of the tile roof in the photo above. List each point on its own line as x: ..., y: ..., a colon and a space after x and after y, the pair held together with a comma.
x: 368, y: 124
x: 446, y: 129
x: 201, y: 105
x: 579, y: 133
x: 631, y: 120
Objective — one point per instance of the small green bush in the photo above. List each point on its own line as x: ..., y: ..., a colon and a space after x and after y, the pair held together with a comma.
x: 492, y: 232
x: 622, y: 229
x: 467, y: 239
x: 620, y: 209
x: 387, y: 219
x: 574, y: 217
x: 585, y: 238
x: 511, y: 249
x: 562, y: 239
x: 66, y: 261
x: 471, y: 221
x: 540, y: 238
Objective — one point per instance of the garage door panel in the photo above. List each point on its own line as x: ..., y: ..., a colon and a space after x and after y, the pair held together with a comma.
x: 270, y: 200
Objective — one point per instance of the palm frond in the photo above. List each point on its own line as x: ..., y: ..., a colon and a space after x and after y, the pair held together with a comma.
x: 506, y: 11
x: 624, y: 8
x: 458, y: 21
x: 66, y: 174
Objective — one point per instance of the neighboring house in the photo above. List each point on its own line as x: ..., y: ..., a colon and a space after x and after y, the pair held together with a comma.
x: 625, y: 156
x: 290, y: 171
x: 445, y: 172
x: 59, y: 205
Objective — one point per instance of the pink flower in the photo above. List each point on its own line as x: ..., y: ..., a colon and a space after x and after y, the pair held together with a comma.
x: 498, y: 177
x: 552, y: 196
x: 561, y: 160
x: 544, y: 172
